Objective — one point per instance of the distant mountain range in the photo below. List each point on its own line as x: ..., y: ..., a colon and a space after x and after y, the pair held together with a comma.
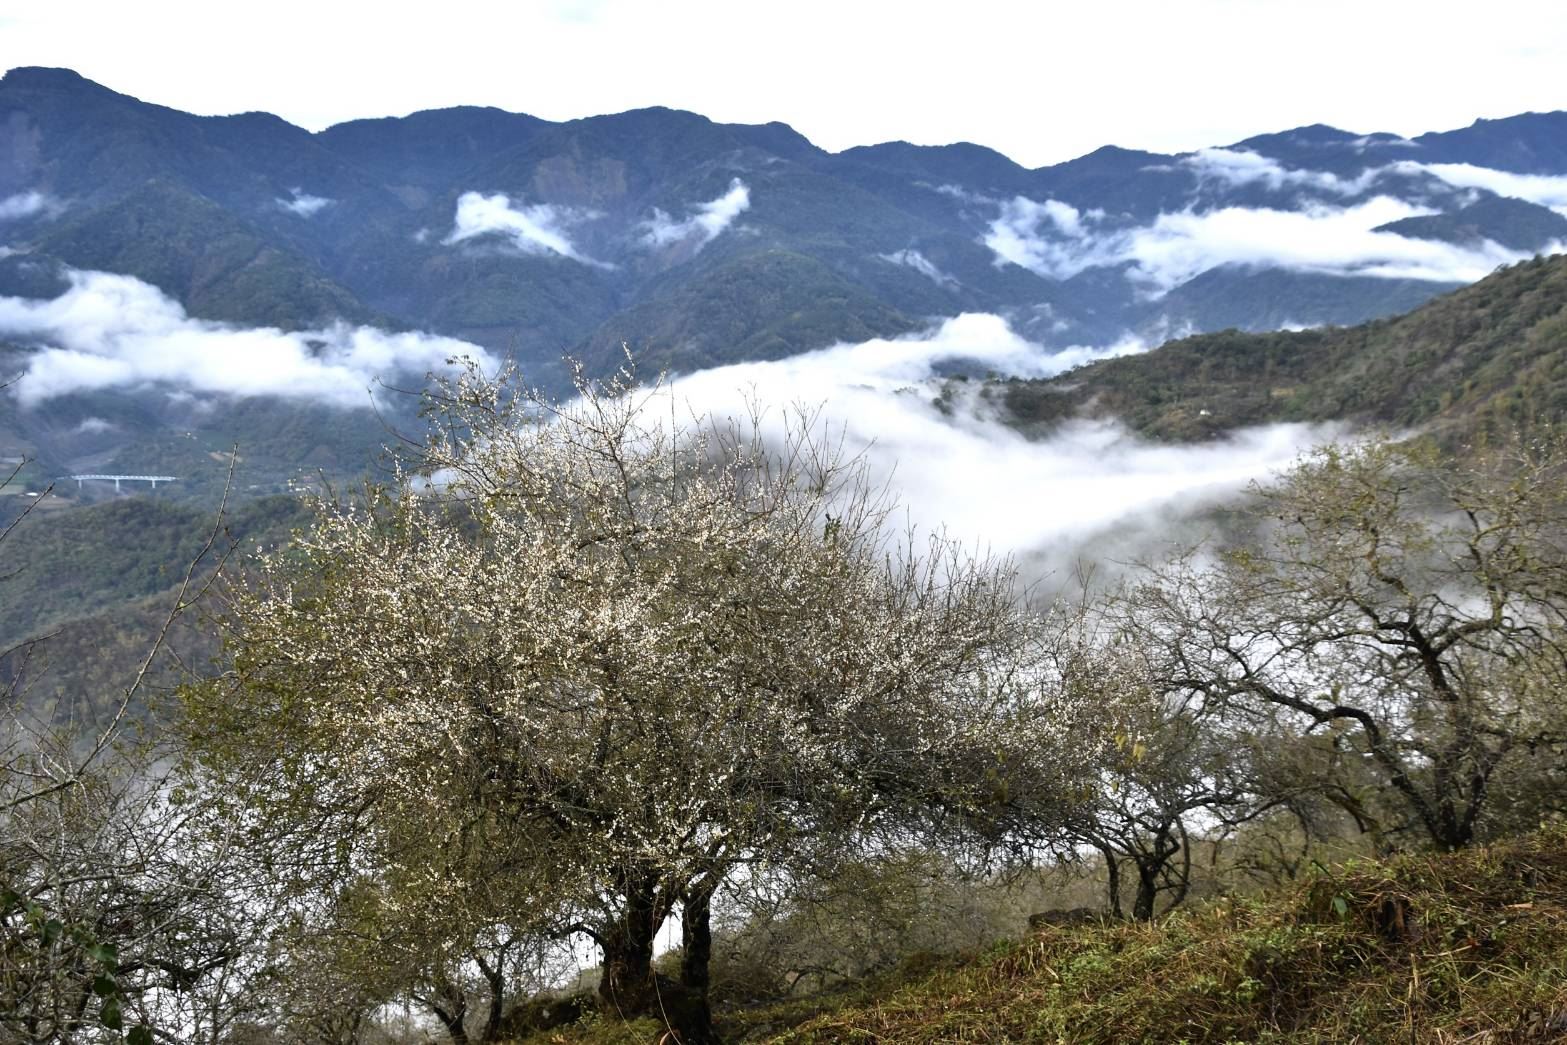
x: 696, y: 243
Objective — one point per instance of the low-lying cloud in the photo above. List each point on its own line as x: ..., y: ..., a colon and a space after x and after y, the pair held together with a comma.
x: 703, y: 224
x: 1330, y: 240
x: 112, y: 331
x: 1236, y: 168
x: 304, y: 204
x: 27, y: 204
x: 1548, y: 190
x: 540, y: 228
x: 1242, y: 167
x: 961, y: 468
x: 913, y: 259
x: 1335, y: 231
x: 1044, y: 237
x: 1055, y: 240
x: 959, y: 193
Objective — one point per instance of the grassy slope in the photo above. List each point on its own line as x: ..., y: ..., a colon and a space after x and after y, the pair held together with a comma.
x: 1491, y: 356
x: 1468, y: 947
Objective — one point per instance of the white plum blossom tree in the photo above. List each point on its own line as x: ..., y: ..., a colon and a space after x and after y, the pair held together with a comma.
x: 582, y: 663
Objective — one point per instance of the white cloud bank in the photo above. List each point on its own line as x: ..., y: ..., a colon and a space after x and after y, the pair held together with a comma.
x: 1548, y: 190
x: 1241, y: 167
x: 1332, y: 235
x: 705, y: 222
x: 303, y: 204
x: 1047, y: 238
x: 1054, y: 240
x: 537, y: 229
x: 970, y: 473
x: 27, y: 204
x: 112, y: 331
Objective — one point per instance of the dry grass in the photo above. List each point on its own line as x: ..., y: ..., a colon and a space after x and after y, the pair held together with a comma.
x: 1467, y: 948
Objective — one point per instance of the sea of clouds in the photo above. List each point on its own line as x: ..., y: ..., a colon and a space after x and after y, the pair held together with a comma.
x: 956, y: 466
x: 1548, y: 190
x: 962, y: 469
x: 110, y: 331
x: 1055, y: 240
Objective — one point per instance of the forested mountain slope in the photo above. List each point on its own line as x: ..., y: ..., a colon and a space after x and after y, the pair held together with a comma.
x: 1488, y: 358
x: 87, y: 591
x: 247, y: 218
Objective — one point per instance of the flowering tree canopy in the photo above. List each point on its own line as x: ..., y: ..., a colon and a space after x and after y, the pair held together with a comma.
x: 583, y: 662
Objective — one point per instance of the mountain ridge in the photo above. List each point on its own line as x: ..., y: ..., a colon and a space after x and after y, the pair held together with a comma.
x: 705, y: 243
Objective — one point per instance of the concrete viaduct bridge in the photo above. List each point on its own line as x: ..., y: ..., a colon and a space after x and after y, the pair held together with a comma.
x: 153, y: 479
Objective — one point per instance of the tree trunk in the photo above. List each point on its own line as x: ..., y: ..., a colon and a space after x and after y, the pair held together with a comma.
x: 450, y: 1004
x: 630, y: 989
x: 495, y: 976
x: 453, y: 1020
x: 696, y: 932
x: 1147, y: 893
x: 454, y: 1028
x: 626, y: 988
x: 1113, y: 880
x: 696, y: 939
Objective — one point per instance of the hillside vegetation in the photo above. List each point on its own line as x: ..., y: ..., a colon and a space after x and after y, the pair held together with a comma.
x: 1490, y: 357
x: 588, y: 683
x: 82, y: 562
x: 609, y: 677
x: 95, y: 584
x: 1467, y: 947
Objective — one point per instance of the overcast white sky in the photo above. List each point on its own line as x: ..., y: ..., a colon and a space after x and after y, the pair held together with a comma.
x: 1041, y: 82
